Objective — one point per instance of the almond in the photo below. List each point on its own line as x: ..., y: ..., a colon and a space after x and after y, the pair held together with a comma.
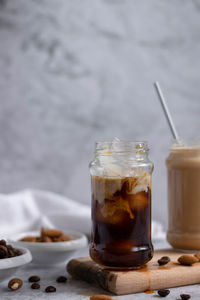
x: 197, y: 255
x: 46, y: 236
x: 187, y: 259
x: 39, y: 239
x: 101, y: 297
x: 46, y: 239
x: 62, y: 238
x: 51, y: 233
x: 28, y: 239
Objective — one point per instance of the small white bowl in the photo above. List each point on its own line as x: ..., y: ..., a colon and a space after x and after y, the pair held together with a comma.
x: 51, y: 253
x: 8, y: 266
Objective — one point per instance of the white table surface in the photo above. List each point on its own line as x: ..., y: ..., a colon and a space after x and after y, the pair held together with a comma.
x: 75, y: 289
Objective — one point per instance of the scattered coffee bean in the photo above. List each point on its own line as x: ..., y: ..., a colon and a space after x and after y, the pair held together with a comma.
x: 185, y: 296
x: 61, y: 279
x: 35, y: 286
x: 50, y: 289
x: 15, y: 284
x: 163, y: 292
x: 34, y: 278
x: 163, y: 260
x: 187, y: 259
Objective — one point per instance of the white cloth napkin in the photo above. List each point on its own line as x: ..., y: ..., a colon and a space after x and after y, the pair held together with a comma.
x: 31, y: 209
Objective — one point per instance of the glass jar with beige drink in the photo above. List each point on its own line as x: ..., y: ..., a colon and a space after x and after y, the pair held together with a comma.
x: 121, y: 204
x: 183, y: 166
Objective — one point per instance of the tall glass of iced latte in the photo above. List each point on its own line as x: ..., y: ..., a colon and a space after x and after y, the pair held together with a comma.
x: 183, y: 166
x: 121, y: 204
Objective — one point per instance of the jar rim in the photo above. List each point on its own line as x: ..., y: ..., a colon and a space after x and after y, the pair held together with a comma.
x: 120, y: 146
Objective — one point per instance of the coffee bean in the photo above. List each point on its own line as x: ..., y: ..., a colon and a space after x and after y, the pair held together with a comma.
x: 13, y: 252
x: 15, y: 284
x: 3, y: 242
x: 17, y: 252
x: 3, y: 251
x: 7, y: 251
x: 61, y: 279
x: 185, y: 296
x: 35, y: 286
x: 50, y: 289
x: 10, y: 251
x: 9, y: 247
x: 163, y: 260
x: 34, y: 278
x: 163, y: 292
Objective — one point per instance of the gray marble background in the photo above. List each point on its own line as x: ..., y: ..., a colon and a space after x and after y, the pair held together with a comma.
x: 72, y: 72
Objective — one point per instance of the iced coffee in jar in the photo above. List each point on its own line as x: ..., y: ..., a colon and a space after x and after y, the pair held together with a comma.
x: 121, y: 204
x: 183, y: 166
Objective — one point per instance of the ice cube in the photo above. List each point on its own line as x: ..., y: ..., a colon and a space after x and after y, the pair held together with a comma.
x: 139, y: 184
x: 139, y: 201
x: 115, y: 212
x: 105, y: 188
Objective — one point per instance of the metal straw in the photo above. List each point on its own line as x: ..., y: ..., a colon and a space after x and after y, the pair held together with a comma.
x: 166, y: 111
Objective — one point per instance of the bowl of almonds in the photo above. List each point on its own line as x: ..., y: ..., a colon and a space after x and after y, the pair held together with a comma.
x: 50, y: 246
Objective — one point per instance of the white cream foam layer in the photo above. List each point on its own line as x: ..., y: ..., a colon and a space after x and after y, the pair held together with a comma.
x: 106, y: 187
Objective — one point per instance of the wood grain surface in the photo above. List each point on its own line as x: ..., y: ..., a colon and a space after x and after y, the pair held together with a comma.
x: 150, y: 277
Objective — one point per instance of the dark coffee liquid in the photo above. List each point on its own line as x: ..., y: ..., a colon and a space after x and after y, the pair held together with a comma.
x: 121, y: 223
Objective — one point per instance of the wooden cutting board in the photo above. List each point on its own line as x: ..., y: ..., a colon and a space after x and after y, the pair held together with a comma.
x: 151, y: 277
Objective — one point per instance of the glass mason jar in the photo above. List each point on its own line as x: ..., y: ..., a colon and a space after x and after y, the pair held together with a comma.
x: 121, y: 204
x: 183, y: 164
